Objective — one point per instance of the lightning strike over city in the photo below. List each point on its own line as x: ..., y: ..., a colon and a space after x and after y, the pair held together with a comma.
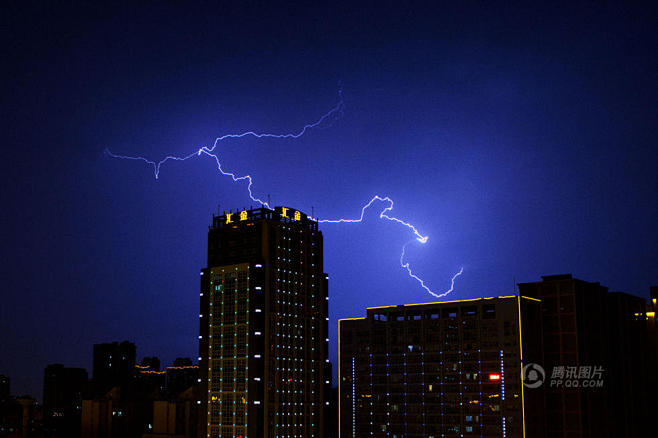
x: 200, y: 241
x: 329, y: 117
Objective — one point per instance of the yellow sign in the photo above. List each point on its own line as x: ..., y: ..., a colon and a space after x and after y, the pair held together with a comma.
x: 290, y: 213
x: 243, y: 215
x: 228, y: 218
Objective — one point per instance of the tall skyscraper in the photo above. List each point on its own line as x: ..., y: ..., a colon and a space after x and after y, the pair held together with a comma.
x: 263, y: 345
x: 449, y: 368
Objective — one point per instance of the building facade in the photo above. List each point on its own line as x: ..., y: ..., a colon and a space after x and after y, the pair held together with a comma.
x: 263, y: 345
x: 63, y: 391
x: 583, y: 325
x: 446, y: 369
x: 574, y: 330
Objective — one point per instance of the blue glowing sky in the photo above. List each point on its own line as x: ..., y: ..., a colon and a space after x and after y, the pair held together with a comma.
x: 522, y: 140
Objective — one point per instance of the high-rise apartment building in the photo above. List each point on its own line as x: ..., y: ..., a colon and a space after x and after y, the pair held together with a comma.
x: 263, y: 345
x: 440, y: 369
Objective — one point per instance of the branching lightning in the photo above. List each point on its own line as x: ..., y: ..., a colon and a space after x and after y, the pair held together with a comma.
x: 329, y: 117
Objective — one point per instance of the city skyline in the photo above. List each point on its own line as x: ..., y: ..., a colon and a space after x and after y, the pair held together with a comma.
x: 521, y: 141
x: 449, y: 367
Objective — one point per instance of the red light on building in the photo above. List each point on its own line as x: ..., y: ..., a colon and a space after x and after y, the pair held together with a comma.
x: 494, y: 376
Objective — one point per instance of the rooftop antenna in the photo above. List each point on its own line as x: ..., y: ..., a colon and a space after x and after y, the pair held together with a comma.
x: 268, y: 200
x: 312, y: 211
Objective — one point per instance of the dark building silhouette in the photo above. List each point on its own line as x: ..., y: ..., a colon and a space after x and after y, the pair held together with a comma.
x: 114, y: 365
x: 144, y: 408
x: 263, y: 343
x: 176, y: 417
x: 574, y: 328
x: 626, y: 361
x: 652, y: 351
x: 653, y: 293
x: 449, y: 368
x: 584, y: 325
x: 9, y: 409
x: 123, y: 392
x: 149, y: 380
x: 138, y: 403
x: 147, y: 384
x: 20, y: 418
x: 181, y: 376
x: 331, y: 414
x: 331, y: 406
x: 183, y: 362
x: 150, y: 363
x: 5, y: 388
x: 63, y: 391
x: 117, y: 414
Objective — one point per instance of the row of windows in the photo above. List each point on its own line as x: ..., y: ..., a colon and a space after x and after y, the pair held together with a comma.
x: 486, y: 312
x: 226, y: 432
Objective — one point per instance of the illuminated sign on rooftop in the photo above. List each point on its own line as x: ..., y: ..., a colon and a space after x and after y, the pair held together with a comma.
x: 286, y: 214
x: 290, y: 213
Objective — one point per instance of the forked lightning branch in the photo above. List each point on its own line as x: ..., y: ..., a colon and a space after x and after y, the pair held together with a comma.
x: 384, y: 202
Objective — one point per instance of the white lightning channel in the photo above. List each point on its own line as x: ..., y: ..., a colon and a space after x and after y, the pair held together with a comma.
x: 334, y: 113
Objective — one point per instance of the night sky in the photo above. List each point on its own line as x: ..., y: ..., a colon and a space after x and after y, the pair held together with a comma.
x: 521, y: 139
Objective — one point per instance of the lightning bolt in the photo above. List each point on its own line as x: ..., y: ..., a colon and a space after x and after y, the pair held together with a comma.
x: 406, y: 266
x: 332, y: 115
